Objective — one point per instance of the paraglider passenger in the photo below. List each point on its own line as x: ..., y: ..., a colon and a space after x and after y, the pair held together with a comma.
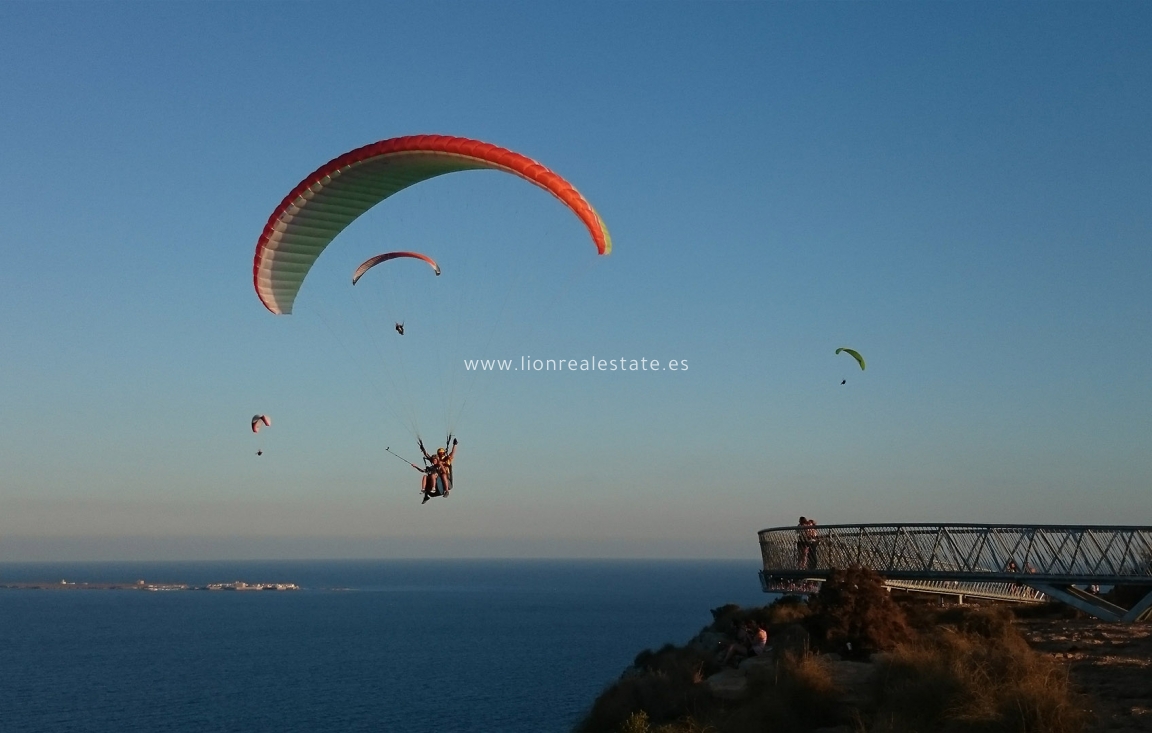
x: 428, y: 483
x: 400, y: 328
x: 428, y: 480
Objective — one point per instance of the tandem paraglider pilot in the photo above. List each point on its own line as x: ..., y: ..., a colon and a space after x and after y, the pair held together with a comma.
x: 437, y: 479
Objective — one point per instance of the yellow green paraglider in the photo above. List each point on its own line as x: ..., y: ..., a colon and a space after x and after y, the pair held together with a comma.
x: 854, y: 354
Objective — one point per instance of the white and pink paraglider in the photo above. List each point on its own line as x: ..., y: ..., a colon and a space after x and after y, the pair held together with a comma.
x: 257, y: 422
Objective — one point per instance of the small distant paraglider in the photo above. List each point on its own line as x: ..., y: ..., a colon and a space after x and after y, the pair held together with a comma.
x: 371, y: 262
x: 257, y: 421
x: 855, y: 355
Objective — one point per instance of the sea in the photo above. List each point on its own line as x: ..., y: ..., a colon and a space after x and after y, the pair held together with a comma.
x: 414, y: 646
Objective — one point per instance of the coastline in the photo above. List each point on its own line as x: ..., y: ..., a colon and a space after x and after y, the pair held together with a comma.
x: 141, y: 585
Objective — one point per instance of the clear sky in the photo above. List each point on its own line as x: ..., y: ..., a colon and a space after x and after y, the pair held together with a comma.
x: 960, y: 191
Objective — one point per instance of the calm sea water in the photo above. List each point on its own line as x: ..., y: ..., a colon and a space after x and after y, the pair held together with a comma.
x: 420, y: 646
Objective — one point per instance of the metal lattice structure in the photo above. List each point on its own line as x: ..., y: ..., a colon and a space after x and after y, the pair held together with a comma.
x: 1007, y: 592
x: 1006, y: 562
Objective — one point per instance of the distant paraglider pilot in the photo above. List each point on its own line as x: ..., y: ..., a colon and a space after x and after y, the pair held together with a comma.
x: 257, y: 421
x: 855, y: 355
x: 371, y: 262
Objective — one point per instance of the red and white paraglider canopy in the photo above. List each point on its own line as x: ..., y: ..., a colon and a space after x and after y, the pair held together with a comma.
x: 332, y: 197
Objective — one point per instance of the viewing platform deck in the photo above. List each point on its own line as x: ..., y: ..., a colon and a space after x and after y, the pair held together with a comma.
x: 1006, y: 562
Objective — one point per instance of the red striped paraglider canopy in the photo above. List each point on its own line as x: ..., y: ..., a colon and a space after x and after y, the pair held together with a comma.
x: 334, y: 195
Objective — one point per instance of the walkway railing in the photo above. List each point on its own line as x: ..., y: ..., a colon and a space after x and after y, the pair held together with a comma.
x: 1049, y: 559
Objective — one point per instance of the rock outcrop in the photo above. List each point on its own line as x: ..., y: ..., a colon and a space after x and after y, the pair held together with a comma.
x: 728, y: 684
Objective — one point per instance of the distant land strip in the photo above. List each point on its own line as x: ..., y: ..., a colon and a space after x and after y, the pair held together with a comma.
x: 143, y: 585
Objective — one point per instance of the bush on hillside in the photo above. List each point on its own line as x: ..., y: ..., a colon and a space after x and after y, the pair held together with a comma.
x: 854, y: 615
x: 781, y: 612
x: 662, y: 684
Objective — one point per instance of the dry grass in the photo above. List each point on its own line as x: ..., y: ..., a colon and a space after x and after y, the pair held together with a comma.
x: 805, y: 680
x: 984, y: 678
x: 638, y: 723
x: 664, y: 700
x: 798, y: 696
x: 787, y: 610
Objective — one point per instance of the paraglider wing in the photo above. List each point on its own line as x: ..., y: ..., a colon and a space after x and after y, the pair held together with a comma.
x: 258, y: 419
x: 855, y: 355
x: 332, y: 197
x: 371, y: 262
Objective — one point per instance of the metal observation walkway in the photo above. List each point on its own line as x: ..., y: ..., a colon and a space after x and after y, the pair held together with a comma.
x: 1005, y: 562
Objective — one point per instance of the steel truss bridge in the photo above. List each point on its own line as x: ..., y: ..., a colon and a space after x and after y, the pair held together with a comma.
x: 1005, y: 562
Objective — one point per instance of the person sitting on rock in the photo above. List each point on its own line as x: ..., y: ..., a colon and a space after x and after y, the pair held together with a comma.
x: 759, y: 643
x: 751, y: 641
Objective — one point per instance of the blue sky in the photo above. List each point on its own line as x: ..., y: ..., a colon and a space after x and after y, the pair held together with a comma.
x: 959, y: 191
